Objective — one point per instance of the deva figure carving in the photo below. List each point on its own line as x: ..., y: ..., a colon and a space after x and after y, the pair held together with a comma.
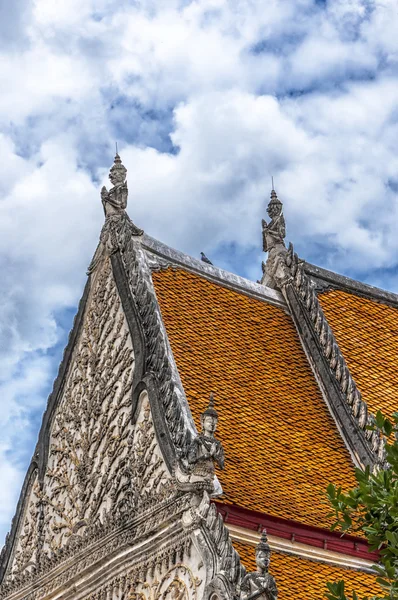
x: 260, y: 584
x: 274, y: 232
x: 196, y: 473
x: 115, y: 200
x: 118, y: 227
x: 274, y: 270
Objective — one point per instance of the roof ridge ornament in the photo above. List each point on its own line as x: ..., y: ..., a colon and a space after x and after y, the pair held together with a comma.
x: 118, y: 226
x: 285, y: 271
x: 195, y: 472
x: 260, y: 584
x: 274, y: 234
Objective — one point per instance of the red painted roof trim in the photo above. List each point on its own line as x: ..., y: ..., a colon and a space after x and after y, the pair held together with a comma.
x: 291, y: 530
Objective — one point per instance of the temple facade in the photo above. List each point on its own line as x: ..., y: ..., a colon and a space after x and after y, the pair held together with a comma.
x: 195, y: 423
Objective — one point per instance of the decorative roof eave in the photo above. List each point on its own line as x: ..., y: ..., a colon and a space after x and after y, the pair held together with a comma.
x: 253, y: 521
x: 286, y: 272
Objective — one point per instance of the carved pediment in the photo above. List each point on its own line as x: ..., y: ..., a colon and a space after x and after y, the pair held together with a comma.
x: 100, y: 465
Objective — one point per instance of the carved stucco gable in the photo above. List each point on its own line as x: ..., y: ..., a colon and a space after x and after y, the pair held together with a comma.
x: 104, y: 516
x: 25, y: 552
x: 164, y: 546
x: 91, y: 431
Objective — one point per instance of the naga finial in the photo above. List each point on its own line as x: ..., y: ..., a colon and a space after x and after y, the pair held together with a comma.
x: 274, y: 232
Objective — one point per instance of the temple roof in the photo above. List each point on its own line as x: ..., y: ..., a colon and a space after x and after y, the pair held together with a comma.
x: 366, y: 330
x: 281, y: 443
x: 298, y: 365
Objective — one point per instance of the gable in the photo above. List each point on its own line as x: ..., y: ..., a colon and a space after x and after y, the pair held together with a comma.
x: 99, y: 463
x: 282, y: 444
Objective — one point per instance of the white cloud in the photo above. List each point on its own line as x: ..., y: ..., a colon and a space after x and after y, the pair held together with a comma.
x: 304, y: 92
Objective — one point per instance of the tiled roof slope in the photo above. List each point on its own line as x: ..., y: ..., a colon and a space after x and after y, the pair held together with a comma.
x: 304, y: 579
x: 281, y: 444
x: 367, y: 333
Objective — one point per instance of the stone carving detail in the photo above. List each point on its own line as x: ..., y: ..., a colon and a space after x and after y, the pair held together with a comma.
x: 230, y: 571
x: 26, y: 553
x: 260, y: 584
x: 118, y: 226
x: 115, y: 201
x: 83, y: 551
x: 196, y: 473
x: 87, y: 469
x: 274, y: 272
x: 168, y: 574
x: 159, y: 358
x: 149, y: 481
x: 100, y: 466
x: 284, y: 268
x: 178, y: 583
x: 332, y: 352
x: 274, y: 232
x: 87, y: 472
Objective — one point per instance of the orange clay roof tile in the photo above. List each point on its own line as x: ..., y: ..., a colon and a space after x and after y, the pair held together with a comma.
x: 367, y: 333
x: 282, y: 446
x: 304, y: 579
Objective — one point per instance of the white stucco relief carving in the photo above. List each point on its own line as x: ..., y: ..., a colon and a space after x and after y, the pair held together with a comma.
x: 26, y: 552
x: 88, y: 472
x: 183, y: 580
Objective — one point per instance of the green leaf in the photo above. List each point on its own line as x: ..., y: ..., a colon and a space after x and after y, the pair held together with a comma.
x: 387, y: 427
x: 379, y: 419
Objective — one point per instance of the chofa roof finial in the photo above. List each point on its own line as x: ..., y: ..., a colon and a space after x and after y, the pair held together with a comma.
x: 210, y: 410
x: 273, y: 237
x: 263, y: 543
x: 274, y: 232
x: 118, y: 227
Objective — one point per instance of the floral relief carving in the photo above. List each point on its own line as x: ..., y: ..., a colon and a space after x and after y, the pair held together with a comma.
x: 176, y: 583
x: 150, y: 480
x: 26, y: 551
x: 101, y: 467
x: 88, y: 471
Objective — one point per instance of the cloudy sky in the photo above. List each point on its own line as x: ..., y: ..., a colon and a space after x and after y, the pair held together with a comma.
x: 207, y: 99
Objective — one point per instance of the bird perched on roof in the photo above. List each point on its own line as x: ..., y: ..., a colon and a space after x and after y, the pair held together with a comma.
x: 205, y: 259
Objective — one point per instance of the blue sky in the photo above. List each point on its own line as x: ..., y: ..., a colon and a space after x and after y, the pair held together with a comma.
x: 207, y: 99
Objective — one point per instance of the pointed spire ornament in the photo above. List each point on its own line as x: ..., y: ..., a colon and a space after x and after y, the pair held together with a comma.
x: 116, y: 199
x: 210, y: 410
x: 273, y: 238
x: 275, y: 231
x: 263, y: 543
x: 118, y: 227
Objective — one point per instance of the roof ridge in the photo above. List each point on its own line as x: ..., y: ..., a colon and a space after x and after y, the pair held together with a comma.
x: 285, y: 271
x: 164, y: 256
x: 336, y: 280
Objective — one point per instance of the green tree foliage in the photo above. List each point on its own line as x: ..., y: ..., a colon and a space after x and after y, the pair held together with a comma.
x: 372, y: 508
